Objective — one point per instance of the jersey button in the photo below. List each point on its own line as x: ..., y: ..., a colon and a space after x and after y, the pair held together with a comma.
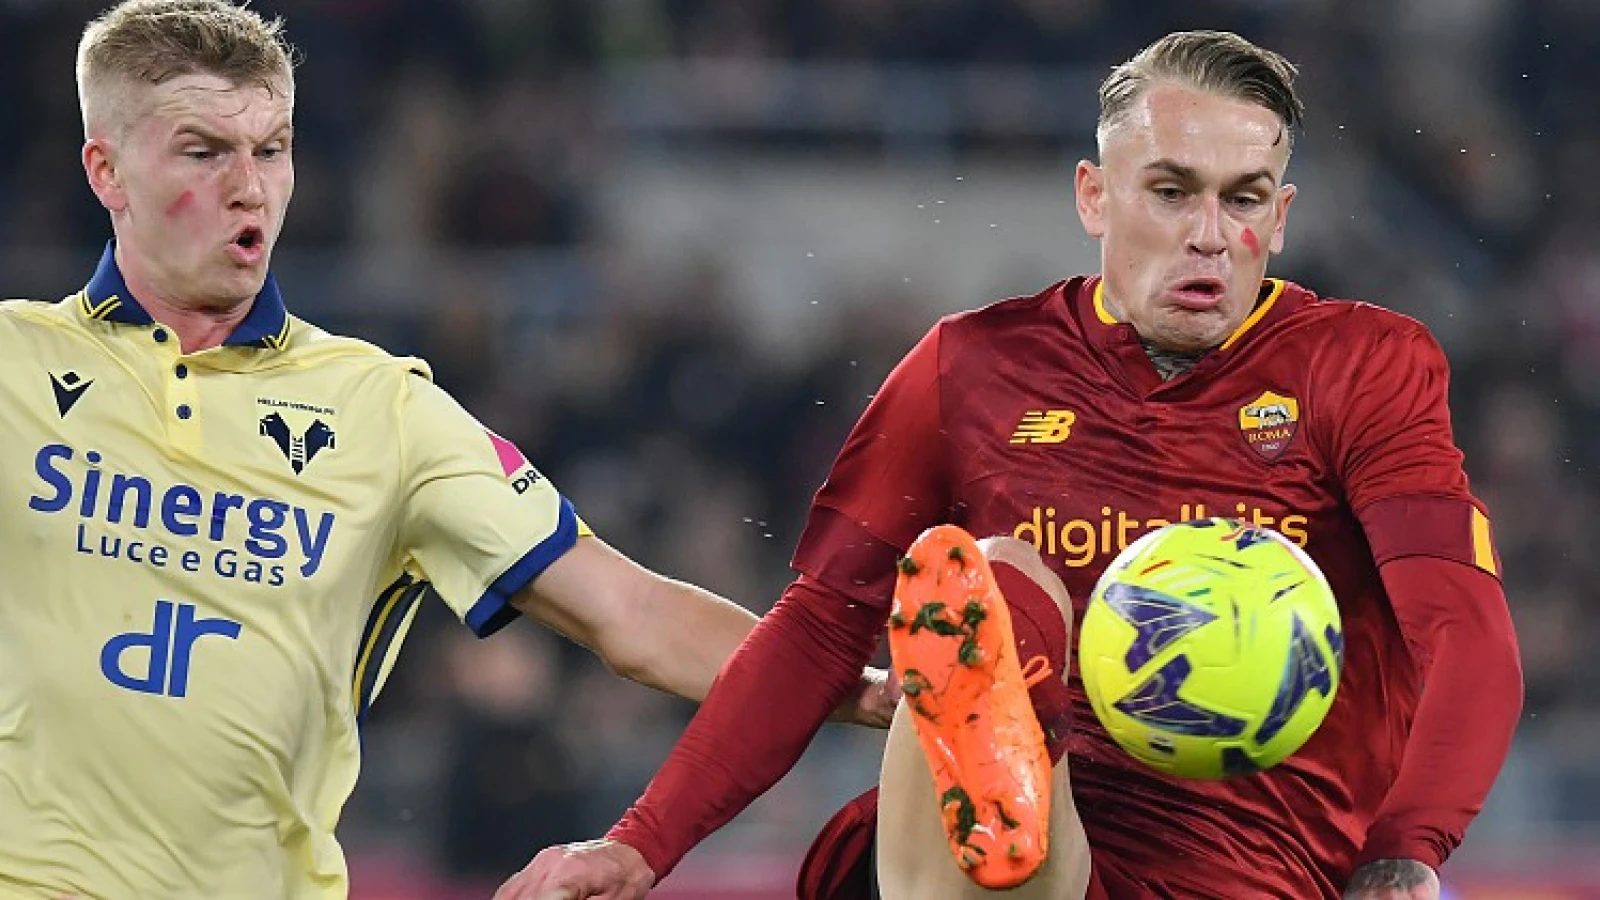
x: 160, y: 334
x: 184, y: 411
x: 181, y: 370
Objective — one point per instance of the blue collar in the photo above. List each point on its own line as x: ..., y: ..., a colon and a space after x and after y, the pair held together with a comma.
x: 107, y: 298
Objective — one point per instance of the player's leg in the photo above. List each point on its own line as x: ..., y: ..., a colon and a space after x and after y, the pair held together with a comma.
x: 947, y: 655
x: 913, y: 853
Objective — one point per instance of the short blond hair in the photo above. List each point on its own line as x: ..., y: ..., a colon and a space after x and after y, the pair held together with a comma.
x: 1219, y: 62
x: 148, y: 42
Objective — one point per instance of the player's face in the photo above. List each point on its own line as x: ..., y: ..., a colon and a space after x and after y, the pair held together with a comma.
x: 1187, y: 203
x: 197, y: 186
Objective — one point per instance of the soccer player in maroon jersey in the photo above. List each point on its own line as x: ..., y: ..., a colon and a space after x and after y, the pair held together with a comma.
x: 1178, y: 383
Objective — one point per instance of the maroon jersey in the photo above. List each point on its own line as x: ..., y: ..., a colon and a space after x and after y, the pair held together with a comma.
x: 1042, y: 417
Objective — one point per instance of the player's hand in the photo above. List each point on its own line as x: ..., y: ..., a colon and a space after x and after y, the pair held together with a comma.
x: 873, y: 701
x: 1393, y: 879
x: 603, y: 870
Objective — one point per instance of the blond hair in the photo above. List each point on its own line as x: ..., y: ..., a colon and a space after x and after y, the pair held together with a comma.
x: 1218, y: 62
x: 147, y: 42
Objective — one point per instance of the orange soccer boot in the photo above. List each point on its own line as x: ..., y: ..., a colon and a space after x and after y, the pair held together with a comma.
x: 952, y: 647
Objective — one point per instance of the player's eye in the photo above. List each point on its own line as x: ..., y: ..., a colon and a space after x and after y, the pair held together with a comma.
x: 1168, y: 194
x: 1244, y: 201
x: 200, y: 153
x: 272, y: 151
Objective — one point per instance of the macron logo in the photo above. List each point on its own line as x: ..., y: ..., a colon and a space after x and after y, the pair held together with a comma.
x: 69, y: 386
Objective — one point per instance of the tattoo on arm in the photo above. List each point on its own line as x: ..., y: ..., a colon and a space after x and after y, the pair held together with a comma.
x: 1390, y: 873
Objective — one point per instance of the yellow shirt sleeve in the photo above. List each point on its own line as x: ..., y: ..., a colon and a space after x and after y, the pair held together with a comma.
x: 480, y: 521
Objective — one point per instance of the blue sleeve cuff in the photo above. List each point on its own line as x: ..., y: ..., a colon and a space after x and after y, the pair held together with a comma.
x: 494, y: 611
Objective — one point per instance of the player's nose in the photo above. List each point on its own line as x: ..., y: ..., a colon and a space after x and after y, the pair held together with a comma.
x: 249, y: 188
x: 1205, y: 235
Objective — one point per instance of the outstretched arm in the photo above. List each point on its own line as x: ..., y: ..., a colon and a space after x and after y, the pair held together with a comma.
x: 646, y: 627
x: 799, y: 662
x: 661, y: 632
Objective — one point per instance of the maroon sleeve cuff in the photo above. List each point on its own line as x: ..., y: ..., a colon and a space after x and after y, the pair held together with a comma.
x: 1452, y: 528
x: 1392, y: 843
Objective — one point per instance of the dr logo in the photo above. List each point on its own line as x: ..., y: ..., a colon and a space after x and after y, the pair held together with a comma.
x: 170, y: 644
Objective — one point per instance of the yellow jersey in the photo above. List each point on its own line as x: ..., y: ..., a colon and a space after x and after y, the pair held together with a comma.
x: 208, y: 562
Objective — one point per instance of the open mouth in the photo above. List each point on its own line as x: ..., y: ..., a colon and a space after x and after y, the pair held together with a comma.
x: 1202, y: 287
x: 249, y: 238
x: 1198, y: 294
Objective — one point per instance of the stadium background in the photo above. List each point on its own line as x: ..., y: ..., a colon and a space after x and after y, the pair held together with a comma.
x: 671, y: 246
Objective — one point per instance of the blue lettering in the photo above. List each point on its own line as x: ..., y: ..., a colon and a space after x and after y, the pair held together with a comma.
x: 158, y: 640
x: 188, y: 630
x: 44, y: 466
x: 220, y: 504
x: 184, y: 511
x: 120, y: 486
x: 91, y: 486
x: 181, y: 500
x: 164, y: 640
x: 312, y: 545
x: 267, y: 518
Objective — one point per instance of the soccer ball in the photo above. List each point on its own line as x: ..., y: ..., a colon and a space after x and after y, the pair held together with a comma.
x: 1211, y: 648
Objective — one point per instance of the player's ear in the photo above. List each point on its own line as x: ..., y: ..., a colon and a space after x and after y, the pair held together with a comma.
x: 99, y: 165
x: 1090, y: 184
x: 1285, y: 197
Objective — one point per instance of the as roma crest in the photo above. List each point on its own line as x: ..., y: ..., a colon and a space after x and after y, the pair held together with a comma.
x: 1268, y: 424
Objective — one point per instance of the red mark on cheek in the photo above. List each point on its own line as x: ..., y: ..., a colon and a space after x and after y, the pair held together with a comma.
x: 184, y: 201
x: 1250, y: 241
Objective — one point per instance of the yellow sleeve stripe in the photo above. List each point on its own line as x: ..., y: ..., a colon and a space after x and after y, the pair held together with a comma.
x: 1483, y: 555
x: 390, y: 612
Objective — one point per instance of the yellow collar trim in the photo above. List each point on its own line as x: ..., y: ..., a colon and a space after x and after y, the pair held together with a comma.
x: 1255, y: 316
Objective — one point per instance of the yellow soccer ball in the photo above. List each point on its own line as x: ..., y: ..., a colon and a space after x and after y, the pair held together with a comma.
x: 1211, y: 648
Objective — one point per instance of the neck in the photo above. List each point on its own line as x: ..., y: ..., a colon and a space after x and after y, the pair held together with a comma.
x: 1170, y: 364
x: 198, y: 327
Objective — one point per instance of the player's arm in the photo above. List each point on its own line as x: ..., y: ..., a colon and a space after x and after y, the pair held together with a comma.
x: 777, y: 689
x: 659, y: 631
x: 1458, y: 630
x: 1431, y: 539
x: 644, y: 626
x: 497, y: 538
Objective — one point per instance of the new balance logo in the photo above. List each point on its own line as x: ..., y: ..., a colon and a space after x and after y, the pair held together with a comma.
x: 1044, y: 426
x: 69, y: 386
x: 298, y: 449
x: 169, y: 646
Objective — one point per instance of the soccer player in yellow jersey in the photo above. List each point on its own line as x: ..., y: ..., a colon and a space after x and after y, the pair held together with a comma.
x: 200, y: 496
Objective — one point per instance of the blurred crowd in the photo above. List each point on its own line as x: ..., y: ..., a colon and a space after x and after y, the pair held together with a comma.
x: 458, y: 163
